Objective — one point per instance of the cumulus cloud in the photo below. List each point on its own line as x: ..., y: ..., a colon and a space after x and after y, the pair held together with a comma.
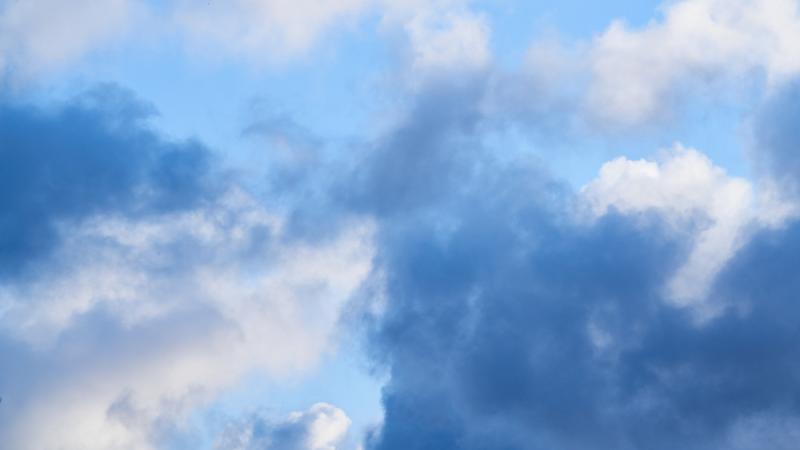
x: 636, y: 71
x: 156, y: 282
x: 321, y: 427
x: 629, y: 76
x: 696, y: 196
x: 509, y: 322
x: 137, y: 281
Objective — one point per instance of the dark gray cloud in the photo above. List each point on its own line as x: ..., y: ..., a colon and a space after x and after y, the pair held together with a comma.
x: 93, y: 154
x: 419, y: 162
x: 510, y: 325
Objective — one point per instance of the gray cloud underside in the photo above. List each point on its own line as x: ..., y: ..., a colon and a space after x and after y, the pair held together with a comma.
x: 510, y: 325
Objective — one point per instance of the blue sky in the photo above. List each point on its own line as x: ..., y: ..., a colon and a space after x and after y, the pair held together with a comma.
x: 399, y: 224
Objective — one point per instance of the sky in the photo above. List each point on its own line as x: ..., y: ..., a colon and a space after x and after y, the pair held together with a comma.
x: 399, y: 224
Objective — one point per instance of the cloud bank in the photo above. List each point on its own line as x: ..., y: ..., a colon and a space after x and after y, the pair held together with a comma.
x: 510, y: 322
x: 653, y: 308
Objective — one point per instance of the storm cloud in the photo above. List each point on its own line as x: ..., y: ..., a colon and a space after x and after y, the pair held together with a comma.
x: 511, y: 323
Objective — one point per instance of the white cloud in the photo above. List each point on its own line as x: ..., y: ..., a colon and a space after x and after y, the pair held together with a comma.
x: 693, y: 195
x: 40, y: 35
x: 326, y: 425
x: 137, y: 322
x: 321, y: 427
x: 444, y: 42
x: 439, y: 35
x: 635, y: 71
x: 438, y: 38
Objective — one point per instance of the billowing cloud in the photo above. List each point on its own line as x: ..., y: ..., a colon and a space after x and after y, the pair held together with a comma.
x: 321, y: 427
x: 140, y: 281
x: 696, y: 197
x: 507, y: 321
x: 637, y: 71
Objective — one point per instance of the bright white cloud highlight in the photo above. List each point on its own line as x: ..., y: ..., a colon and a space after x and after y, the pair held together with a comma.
x: 693, y: 195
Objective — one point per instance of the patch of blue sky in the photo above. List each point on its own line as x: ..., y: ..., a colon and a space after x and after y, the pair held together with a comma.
x: 330, y: 90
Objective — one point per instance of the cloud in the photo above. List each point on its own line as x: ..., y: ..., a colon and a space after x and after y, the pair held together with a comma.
x: 443, y: 42
x: 436, y: 36
x: 161, y: 281
x: 637, y: 71
x: 138, y: 280
x: 94, y: 155
x: 42, y: 35
x: 627, y: 77
x: 413, y: 165
x: 508, y: 321
x: 321, y: 427
x: 696, y: 197
x: 776, y: 138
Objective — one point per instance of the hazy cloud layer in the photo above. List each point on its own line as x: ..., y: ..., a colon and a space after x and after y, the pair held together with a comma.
x: 42, y: 35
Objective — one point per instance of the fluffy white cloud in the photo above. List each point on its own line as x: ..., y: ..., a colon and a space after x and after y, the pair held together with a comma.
x: 694, y: 196
x: 635, y: 70
x: 134, y: 323
x: 39, y: 35
x: 321, y: 427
